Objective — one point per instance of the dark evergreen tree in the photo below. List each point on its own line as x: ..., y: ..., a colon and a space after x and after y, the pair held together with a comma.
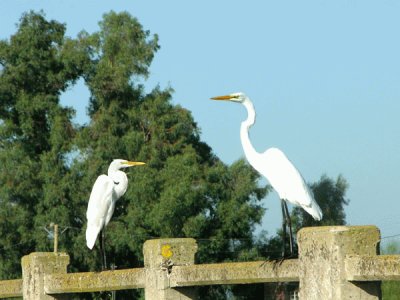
x: 37, y: 64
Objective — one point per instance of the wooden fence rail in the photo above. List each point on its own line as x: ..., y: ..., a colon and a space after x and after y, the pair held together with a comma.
x: 339, y: 262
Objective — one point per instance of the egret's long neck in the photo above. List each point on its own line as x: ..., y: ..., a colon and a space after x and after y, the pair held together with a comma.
x: 248, y: 148
x: 120, y: 182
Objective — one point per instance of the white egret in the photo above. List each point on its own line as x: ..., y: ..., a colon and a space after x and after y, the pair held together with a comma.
x: 105, y: 192
x: 277, y: 168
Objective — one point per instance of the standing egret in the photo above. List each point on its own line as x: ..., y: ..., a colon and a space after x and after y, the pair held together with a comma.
x: 106, y: 191
x: 277, y: 168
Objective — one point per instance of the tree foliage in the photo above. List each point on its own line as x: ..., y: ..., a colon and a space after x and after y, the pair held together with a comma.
x: 37, y: 64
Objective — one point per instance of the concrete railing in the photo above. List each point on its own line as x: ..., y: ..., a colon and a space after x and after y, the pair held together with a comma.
x: 337, y: 262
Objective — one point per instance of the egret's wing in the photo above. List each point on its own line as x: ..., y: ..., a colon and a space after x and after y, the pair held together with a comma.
x: 99, y: 203
x: 109, y: 213
x: 288, y: 182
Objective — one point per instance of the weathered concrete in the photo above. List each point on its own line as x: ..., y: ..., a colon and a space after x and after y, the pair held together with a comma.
x: 235, y: 273
x: 322, y: 254
x: 11, y: 288
x: 373, y: 268
x: 95, y: 282
x: 34, y: 268
x: 159, y: 258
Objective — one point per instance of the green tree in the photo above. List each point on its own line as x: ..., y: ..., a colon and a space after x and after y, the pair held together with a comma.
x: 37, y: 64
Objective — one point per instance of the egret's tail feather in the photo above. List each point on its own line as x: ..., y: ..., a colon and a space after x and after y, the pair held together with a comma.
x: 91, y: 236
x: 315, y: 211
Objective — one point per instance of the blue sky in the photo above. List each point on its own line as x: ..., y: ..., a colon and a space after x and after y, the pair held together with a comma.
x: 324, y: 77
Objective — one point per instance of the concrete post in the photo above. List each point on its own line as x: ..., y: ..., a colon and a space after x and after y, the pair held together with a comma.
x: 159, y: 258
x: 322, y: 253
x: 34, y: 267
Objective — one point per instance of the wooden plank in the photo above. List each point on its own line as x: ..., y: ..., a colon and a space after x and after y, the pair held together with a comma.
x: 235, y: 273
x: 11, y: 288
x: 372, y: 268
x: 95, y: 282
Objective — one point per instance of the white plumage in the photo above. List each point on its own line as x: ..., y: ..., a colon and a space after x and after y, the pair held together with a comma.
x: 100, y: 208
x: 287, y: 181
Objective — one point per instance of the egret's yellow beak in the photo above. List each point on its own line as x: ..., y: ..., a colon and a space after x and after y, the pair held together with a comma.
x: 226, y: 98
x: 134, y: 163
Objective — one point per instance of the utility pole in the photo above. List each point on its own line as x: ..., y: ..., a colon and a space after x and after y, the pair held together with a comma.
x: 55, y: 234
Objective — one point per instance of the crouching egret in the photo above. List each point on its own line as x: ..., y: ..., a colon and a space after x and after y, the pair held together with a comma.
x: 277, y: 168
x: 105, y: 192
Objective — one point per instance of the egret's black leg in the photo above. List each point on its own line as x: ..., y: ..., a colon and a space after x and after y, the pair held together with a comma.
x: 103, y: 250
x: 289, y: 225
x: 284, y: 220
